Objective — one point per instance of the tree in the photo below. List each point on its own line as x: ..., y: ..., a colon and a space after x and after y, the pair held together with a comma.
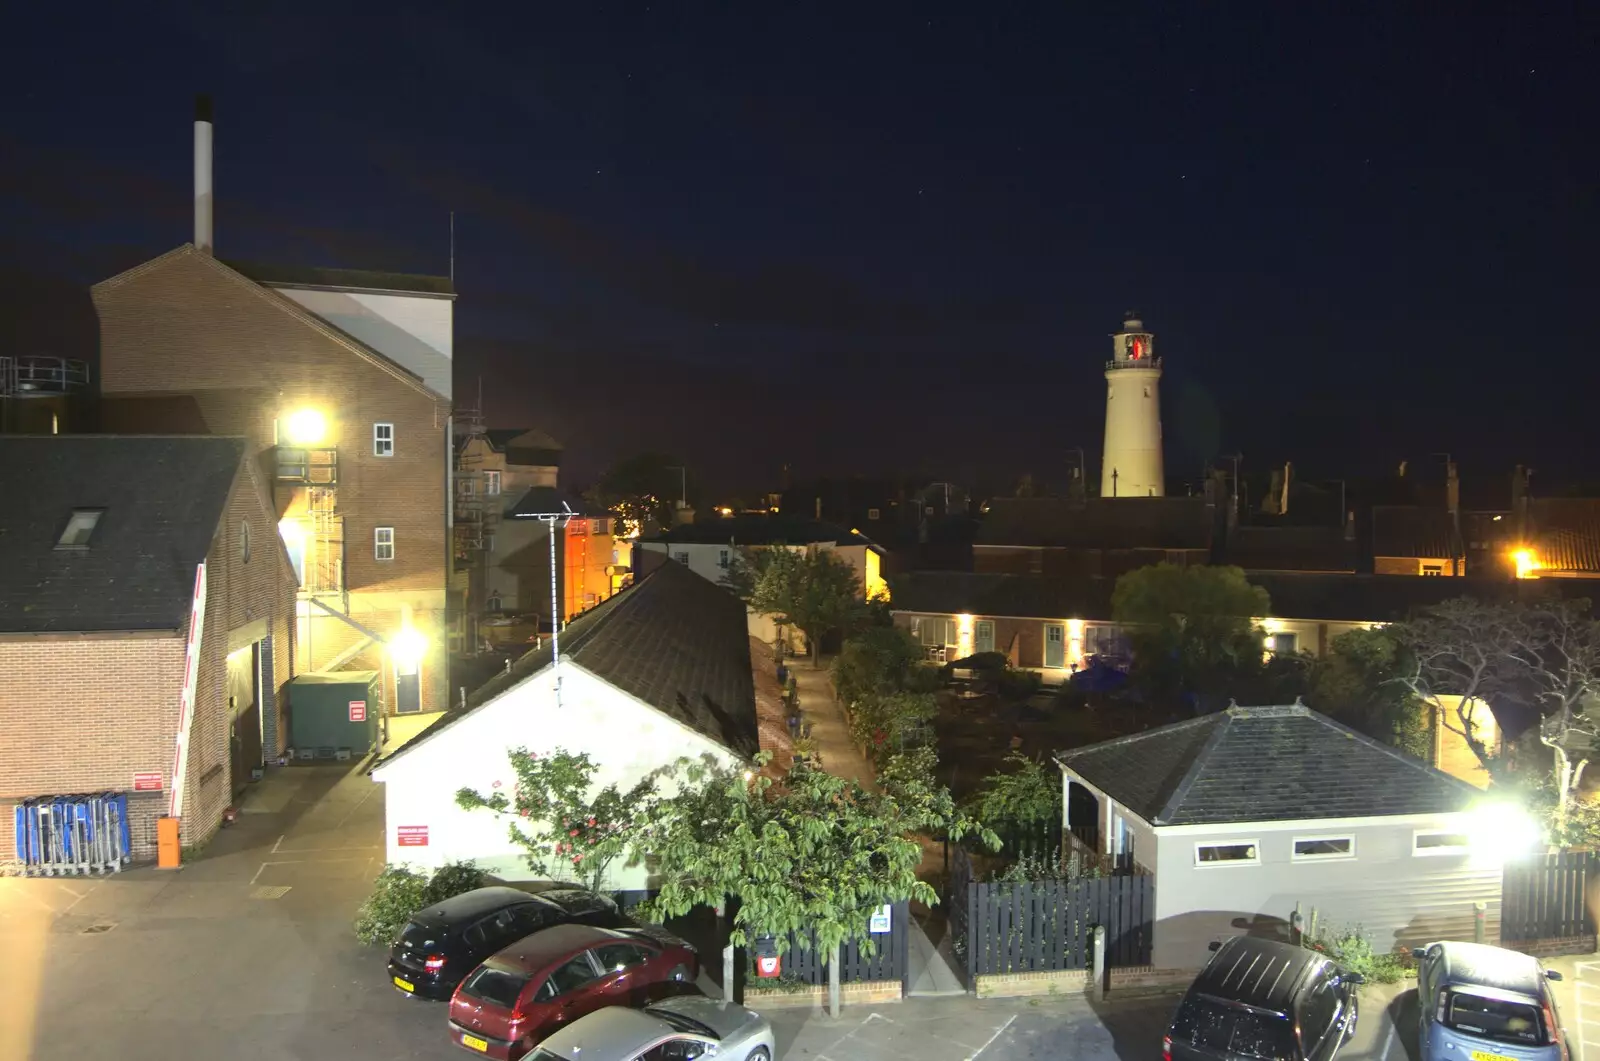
x: 1192, y: 628
x: 813, y: 853
x: 573, y: 833
x: 1021, y: 802
x: 1466, y: 649
x: 886, y: 722
x: 641, y: 491
x: 814, y: 591
x: 1356, y: 683
x: 1558, y: 654
x: 876, y: 660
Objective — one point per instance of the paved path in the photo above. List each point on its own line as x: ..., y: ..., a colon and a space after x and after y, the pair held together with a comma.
x: 828, y: 729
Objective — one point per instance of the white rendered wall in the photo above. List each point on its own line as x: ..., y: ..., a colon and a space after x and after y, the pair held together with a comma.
x: 414, y: 331
x: 1133, y: 434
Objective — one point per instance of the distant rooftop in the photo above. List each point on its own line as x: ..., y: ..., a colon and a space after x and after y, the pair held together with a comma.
x: 345, y: 279
x: 760, y: 529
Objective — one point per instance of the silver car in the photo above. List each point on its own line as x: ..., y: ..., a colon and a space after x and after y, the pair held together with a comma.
x: 676, y: 1029
x: 1481, y: 1003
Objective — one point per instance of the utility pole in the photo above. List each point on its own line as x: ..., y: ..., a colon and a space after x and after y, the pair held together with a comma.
x: 554, y: 521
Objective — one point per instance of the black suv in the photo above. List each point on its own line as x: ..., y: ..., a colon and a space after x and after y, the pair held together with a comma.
x: 1258, y: 998
x: 446, y: 941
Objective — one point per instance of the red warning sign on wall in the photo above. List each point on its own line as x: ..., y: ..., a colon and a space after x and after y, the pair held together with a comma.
x: 147, y: 781
x: 411, y: 835
x: 358, y: 711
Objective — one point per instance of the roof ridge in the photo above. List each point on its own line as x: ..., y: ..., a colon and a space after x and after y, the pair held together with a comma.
x: 1180, y: 791
x: 1171, y: 727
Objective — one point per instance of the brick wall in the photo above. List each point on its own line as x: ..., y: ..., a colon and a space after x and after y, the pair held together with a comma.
x: 865, y: 993
x: 184, y: 325
x: 84, y: 713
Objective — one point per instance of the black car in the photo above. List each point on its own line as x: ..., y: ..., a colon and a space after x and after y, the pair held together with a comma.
x: 446, y: 941
x: 1258, y: 998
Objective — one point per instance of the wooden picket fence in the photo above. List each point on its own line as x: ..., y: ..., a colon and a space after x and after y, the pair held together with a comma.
x: 1545, y: 897
x: 887, y: 962
x: 1033, y: 926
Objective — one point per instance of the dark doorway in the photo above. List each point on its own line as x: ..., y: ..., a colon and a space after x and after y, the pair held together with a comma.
x: 244, y: 701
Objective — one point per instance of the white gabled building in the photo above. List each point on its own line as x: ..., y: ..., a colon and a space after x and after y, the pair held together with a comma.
x: 660, y: 672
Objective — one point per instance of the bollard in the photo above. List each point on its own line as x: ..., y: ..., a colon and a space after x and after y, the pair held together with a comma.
x: 1099, y: 989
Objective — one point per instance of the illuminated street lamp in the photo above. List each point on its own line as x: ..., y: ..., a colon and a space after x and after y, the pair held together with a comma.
x: 306, y: 427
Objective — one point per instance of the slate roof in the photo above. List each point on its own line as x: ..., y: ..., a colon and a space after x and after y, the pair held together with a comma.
x: 1266, y: 548
x: 525, y: 441
x: 537, y: 499
x: 759, y: 529
x: 1258, y: 764
x: 673, y: 640
x: 344, y: 279
x: 1566, y: 533
x: 1019, y: 596
x: 163, y: 498
x: 1099, y: 523
x: 1420, y: 531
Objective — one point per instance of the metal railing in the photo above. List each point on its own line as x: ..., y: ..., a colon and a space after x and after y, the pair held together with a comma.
x: 1143, y: 362
x: 312, y: 467
x: 42, y: 375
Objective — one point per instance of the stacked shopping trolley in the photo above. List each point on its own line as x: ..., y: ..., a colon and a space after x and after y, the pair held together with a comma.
x: 63, y: 836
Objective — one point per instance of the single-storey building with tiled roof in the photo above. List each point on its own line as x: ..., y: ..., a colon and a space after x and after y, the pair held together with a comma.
x: 660, y: 672
x: 1245, y: 815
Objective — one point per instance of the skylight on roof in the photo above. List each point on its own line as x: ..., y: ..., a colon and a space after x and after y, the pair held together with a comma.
x: 80, y: 527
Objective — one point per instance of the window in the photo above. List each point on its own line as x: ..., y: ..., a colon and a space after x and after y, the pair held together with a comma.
x: 1231, y: 852
x: 493, y: 603
x: 1285, y: 644
x: 383, y: 543
x: 615, y: 957
x: 244, y: 542
x: 572, y: 975
x: 1205, y: 1022
x: 491, y: 483
x: 1433, y: 569
x: 531, y: 917
x: 499, y: 987
x: 931, y: 631
x: 1499, y: 1019
x: 383, y: 440
x: 602, y: 526
x: 722, y: 558
x: 1318, y: 848
x: 1439, y: 843
x: 80, y: 527
x: 873, y: 513
x: 682, y: 558
x: 677, y: 1050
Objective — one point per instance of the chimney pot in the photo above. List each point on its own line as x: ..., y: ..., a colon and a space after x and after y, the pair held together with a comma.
x: 204, y: 198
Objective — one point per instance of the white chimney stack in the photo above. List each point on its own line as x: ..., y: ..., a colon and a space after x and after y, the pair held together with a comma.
x: 204, y: 200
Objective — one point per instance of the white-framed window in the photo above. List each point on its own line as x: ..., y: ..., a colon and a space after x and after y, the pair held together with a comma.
x: 491, y: 483
x: 244, y: 542
x: 1323, y: 848
x: 383, y: 543
x: 682, y: 558
x: 1439, y: 842
x: 1432, y: 569
x: 936, y: 631
x: 383, y: 440
x: 1285, y: 644
x: 80, y: 528
x: 722, y: 558
x: 1228, y: 853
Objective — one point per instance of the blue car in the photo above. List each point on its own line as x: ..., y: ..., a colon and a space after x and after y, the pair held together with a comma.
x: 1481, y: 1003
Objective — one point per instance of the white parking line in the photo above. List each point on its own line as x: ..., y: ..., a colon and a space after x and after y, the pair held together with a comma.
x: 992, y: 1038
x: 1388, y: 1041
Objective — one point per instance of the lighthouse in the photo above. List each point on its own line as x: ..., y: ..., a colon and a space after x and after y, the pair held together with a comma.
x: 1131, y: 464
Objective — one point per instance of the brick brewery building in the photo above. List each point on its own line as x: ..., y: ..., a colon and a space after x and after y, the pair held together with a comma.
x: 101, y: 542
x: 339, y: 382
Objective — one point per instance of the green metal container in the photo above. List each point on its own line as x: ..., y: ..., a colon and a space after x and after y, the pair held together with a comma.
x: 334, y: 711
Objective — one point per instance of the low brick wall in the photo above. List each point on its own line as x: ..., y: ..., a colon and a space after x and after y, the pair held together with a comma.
x: 868, y: 993
x: 1133, y: 979
x: 1553, y: 948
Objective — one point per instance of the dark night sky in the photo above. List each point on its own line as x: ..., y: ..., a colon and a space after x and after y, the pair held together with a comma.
x: 869, y: 237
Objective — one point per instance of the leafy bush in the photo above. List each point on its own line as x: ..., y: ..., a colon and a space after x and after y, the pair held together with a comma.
x: 886, y: 723
x: 1352, y: 950
x: 980, y: 661
x: 1018, y: 684
x: 922, y: 679
x: 1030, y: 868
x: 400, y: 892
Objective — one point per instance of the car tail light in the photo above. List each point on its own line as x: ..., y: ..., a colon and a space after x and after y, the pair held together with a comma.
x: 433, y: 963
x: 1166, y: 1048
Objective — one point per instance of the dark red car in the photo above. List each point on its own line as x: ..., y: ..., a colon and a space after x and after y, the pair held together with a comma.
x: 523, y: 993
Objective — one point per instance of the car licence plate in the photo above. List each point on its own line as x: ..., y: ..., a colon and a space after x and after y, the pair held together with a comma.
x: 404, y: 985
x: 1484, y: 1055
x: 481, y: 1044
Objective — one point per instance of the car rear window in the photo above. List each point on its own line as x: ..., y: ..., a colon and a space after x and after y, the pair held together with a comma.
x: 419, y: 935
x: 1504, y: 1020
x: 1203, y: 1022
x: 499, y: 987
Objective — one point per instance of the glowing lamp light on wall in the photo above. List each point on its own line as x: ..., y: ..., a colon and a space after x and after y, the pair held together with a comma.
x: 1526, y: 563
x: 407, y: 648
x: 305, y: 427
x: 1498, y: 830
x: 963, y: 636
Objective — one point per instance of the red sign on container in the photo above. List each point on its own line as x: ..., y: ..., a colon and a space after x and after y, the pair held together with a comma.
x: 412, y: 835
x: 147, y: 781
x: 358, y: 711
